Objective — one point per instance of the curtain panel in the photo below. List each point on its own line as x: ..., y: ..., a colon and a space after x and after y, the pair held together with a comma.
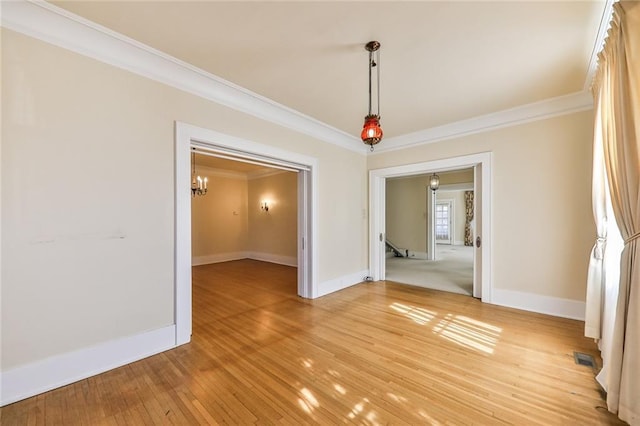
x: 617, y: 96
x: 468, y: 231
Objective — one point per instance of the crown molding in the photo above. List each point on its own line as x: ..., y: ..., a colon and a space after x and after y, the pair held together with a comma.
x: 259, y: 174
x: 51, y: 24
x: 548, y: 108
x: 232, y: 174
x: 229, y: 174
x: 54, y: 25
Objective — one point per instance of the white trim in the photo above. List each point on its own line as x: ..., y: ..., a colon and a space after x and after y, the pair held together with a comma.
x: 57, y: 26
x: 229, y: 174
x: 49, y: 23
x: 556, y: 306
x: 259, y: 174
x: 458, y: 243
x: 186, y: 136
x: 340, y: 283
x: 273, y: 258
x: 605, y: 24
x: 218, y: 258
x: 182, y: 278
x: 456, y: 187
x: 548, y: 108
x: 377, y: 179
x: 51, y: 373
x: 239, y: 255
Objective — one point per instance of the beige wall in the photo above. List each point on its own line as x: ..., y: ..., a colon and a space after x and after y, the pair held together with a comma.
x: 88, y: 220
x: 406, y: 213
x: 275, y: 231
x: 219, y: 220
x: 542, y: 225
x: 229, y: 221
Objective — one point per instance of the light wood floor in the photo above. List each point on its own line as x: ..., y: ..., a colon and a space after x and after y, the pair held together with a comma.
x: 376, y: 353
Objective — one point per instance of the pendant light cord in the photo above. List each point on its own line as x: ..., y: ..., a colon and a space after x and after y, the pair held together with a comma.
x: 378, y: 83
x: 370, y: 66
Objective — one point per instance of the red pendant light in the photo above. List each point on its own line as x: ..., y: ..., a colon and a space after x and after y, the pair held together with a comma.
x: 371, y: 131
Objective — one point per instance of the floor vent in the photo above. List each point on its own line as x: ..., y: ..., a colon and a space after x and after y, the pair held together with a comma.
x: 584, y: 359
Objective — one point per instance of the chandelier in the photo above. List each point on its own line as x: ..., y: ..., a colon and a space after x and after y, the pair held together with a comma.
x: 434, y: 182
x: 198, y: 184
x: 371, y: 131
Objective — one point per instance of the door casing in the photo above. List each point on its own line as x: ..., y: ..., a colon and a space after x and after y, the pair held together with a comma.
x: 186, y: 136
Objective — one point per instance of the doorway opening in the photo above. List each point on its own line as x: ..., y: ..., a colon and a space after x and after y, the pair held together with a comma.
x: 248, y: 214
x: 430, y: 228
x: 227, y: 147
x: 480, y: 238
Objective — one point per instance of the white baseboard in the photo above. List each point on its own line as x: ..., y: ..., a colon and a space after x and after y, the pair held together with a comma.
x: 238, y: 255
x: 458, y: 243
x: 273, y: 258
x: 556, y: 306
x: 51, y: 373
x: 340, y: 283
x: 217, y: 258
x: 417, y: 255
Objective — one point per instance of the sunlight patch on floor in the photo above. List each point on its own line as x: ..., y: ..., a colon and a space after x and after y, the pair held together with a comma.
x: 396, y: 398
x: 418, y: 315
x: 467, y: 332
x: 307, y: 362
x: 359, y: 410
x: 307, y: 401
x: 340, y: 389
x: 431, y: 421
x: 459, y: 329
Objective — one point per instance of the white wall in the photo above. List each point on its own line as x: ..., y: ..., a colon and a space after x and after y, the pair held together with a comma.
x: 88, y: 220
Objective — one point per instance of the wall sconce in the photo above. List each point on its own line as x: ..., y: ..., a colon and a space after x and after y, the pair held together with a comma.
x: 434, y: 182
x: 264, y: 206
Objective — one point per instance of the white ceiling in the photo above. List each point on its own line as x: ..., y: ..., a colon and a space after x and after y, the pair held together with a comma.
x: 441, y: 62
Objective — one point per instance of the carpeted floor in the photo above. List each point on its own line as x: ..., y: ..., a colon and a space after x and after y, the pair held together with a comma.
x: 452, y: 270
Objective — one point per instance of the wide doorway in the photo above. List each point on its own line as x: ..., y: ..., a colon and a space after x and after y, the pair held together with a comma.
x: 243, y: 220
x: 480, y: 238
x: 191, y: 139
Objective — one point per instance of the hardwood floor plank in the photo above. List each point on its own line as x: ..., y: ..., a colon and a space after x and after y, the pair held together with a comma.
x: 375, y: 353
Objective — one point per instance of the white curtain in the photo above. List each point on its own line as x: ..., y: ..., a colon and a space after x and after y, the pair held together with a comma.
x: 617, y: 97
x: 596, y: 281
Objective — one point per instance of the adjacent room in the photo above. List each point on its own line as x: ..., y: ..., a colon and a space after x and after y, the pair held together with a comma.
x: 430, y: 230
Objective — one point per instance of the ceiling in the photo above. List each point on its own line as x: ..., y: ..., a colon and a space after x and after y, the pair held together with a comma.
x: 441, y: 62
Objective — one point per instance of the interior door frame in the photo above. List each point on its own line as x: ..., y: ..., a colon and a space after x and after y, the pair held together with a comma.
x: 186, y: 136
x: 377, y: 200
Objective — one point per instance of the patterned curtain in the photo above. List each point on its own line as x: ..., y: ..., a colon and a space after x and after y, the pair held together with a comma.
x: 468, y: 232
